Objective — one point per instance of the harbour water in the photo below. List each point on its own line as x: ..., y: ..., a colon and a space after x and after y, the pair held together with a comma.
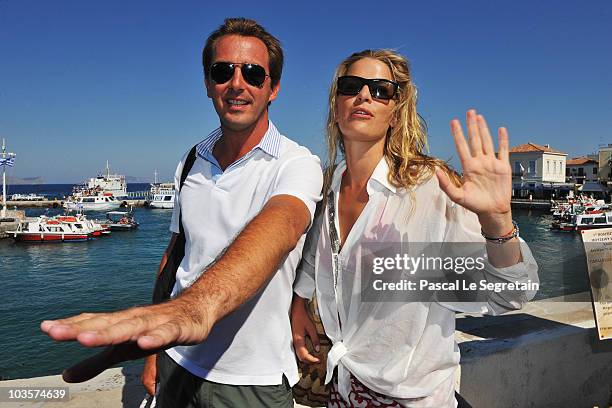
x: 46, y: 281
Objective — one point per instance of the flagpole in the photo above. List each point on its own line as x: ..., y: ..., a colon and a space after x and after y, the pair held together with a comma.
x: 3, y: 180
x: 5, y: 157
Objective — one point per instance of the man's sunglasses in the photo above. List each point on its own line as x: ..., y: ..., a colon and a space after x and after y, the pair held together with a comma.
x: 379, y: 88
x: 253, y: 74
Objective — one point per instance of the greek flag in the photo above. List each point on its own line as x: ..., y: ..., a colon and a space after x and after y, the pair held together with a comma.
x: 9, y: 161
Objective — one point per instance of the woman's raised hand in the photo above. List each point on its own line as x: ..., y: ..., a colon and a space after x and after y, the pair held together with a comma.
x: 487, y: 178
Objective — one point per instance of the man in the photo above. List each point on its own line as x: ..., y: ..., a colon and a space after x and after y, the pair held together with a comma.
x: 246, y: 206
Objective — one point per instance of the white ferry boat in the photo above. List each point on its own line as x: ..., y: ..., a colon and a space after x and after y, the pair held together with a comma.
x: 105, y: 183
x: 163, y: 195
x: 98, y: 202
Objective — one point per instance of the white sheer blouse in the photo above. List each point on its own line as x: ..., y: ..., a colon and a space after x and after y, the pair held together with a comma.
x: 403, y: 350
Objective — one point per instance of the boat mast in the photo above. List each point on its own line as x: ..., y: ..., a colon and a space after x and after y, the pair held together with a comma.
x: 6, y: 159
x: 155, y: 182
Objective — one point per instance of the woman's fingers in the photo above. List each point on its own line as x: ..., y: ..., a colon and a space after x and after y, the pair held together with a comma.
x: 474, y: 139
x: 504, y: 144
x: 485, y: 135
x: 455, y: 193
x: 460, y: 144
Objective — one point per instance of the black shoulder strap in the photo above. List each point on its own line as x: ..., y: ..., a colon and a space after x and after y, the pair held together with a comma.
x: 186, y: 169
x: 188, y: 165
x: 167, y: 278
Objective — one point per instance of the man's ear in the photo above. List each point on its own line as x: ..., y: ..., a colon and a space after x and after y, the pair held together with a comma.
x: 208, y: 86
x: 275, y: 91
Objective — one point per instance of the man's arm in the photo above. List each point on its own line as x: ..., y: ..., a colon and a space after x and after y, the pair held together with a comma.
x: 238, y: 274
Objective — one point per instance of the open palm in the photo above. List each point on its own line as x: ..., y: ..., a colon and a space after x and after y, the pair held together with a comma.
x: 487, y: 178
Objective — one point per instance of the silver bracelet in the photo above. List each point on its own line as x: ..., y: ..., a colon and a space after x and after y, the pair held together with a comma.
x: 505, y: 238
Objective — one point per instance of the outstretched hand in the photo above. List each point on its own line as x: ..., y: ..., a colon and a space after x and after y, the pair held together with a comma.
x: 487, y: 179
x: 130, y: 334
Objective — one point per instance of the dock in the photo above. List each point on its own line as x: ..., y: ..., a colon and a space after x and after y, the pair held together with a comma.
x: 11, y: 221
x: 526, y: 203
x: 57, y: 203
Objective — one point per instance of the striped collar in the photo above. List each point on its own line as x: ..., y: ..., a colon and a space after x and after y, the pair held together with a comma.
x: 269, y: 143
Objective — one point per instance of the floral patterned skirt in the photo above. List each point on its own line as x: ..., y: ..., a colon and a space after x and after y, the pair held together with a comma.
x: 360, y: 396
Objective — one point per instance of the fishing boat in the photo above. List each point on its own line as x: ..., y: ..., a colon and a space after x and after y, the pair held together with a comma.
x: 97, y: 202
x: 121, y: 221
x: 163, y: 195
x: 44, y: 229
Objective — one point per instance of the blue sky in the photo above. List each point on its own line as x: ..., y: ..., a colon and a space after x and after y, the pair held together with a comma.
x: 82, y: 82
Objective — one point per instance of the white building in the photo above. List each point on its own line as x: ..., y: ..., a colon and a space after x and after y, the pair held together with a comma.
x: 605, y: 164
x: 581, y: 170
x: 538, y: 170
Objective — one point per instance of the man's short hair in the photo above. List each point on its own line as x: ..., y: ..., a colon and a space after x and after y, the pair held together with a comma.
x: 246, y: 28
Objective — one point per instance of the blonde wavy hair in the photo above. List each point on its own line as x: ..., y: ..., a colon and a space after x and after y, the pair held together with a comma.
x: 405, y: 142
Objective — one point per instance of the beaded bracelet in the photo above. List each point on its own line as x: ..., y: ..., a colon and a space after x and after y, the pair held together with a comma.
x: 504, y: 238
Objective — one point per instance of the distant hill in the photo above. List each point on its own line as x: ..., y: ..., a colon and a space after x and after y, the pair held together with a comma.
x: 26, y: 180
x: 132, y: 179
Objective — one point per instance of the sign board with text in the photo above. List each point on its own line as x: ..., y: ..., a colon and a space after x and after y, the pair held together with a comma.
x: 598, y: 249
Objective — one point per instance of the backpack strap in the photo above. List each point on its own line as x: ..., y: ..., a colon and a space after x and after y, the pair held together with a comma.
x: 167, y: 278
x: 191, y: 157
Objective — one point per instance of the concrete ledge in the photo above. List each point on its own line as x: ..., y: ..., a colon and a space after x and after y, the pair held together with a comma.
x: 546, y: 355
x: 17, y: 215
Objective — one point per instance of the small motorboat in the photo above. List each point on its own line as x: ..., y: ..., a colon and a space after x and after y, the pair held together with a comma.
x: 121, y: 221
x: 44, y: 229
x: 97, y: 202
x: 80, y: 221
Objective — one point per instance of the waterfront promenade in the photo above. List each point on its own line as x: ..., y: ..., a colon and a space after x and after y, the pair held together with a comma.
x: 545, y: 355
x: 56, y: 203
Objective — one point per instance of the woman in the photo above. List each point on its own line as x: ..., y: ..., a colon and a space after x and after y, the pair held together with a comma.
x: 386, y: 189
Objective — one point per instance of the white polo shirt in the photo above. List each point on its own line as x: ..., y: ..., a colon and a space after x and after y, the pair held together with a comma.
x: 252, y: 345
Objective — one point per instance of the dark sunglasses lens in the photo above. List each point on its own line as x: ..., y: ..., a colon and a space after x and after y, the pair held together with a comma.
x: 382, y: 90
x: 254, y: 74
x: 350, y: 85
x: 221, y: 72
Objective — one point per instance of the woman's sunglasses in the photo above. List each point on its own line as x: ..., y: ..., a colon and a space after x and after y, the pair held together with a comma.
x: 379, y: 88
x: 253, y: 74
